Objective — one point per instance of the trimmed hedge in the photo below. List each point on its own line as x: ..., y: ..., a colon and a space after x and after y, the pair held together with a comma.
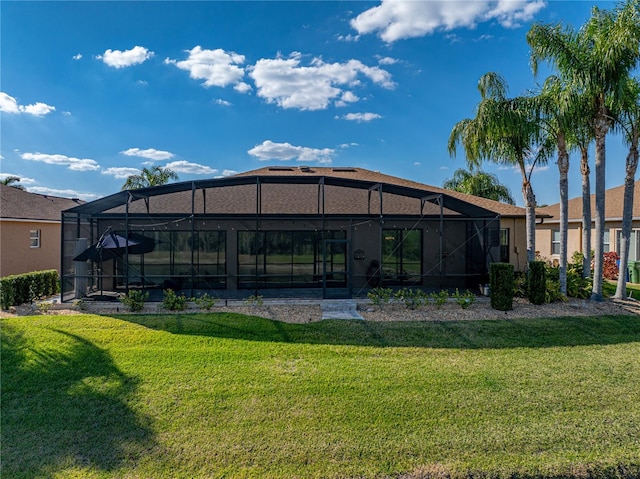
x: 501, y: 279
x: 24, y: 288
x: 537, y: 282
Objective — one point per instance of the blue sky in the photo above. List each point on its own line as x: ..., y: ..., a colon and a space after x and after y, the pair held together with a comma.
x: 94, y: 91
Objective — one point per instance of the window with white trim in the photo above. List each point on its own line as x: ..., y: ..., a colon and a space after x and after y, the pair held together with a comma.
x: 555, y: 242
x: 607, y: 241
x: 34, y: 239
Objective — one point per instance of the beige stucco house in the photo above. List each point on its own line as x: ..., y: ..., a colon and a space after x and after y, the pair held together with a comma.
x: 548, y: 230
x: 30, y: 230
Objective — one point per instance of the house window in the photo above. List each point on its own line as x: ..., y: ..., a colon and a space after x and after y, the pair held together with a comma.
x: 634, y: 244
x: 504, y: 245
x: 607, y: 243
x: 401, y: 256
x: 555, y: 242
x: 34, y: 239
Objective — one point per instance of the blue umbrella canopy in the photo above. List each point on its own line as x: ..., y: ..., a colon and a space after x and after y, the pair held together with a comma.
x: 112, y: 245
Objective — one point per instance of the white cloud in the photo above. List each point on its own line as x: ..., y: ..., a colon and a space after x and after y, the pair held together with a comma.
x: 121, y: 172
x: 360, y: 117
x: 63, y: 193
x: 127, y: 58
x: 416, y: 163
x: 396, y: 20
x: 9, y: 104
x: 149, y: 154
x: 290, y: 85
x: 183, y: 166
x: 75, y: 164
x: 78, y: 56
x: 347, y: 145
x: 387, y: 61
x: 229, y: 172
x: 348, y: 38
x: 268, y: 150
x: 242, y: 87
x: 215, y: 67
x: 220, y: 101
x: 347, y: 97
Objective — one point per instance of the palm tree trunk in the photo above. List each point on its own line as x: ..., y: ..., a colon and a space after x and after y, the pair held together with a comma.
x: 530, y: 209
x: 563, y: 167
x: 586, y: 213
x: 602, y: 126
x: 627, y: 214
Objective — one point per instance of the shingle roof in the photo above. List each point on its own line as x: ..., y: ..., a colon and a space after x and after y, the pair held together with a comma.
x: 19, y: 204
x: 503, y: 209
x: 614, y: 200
x: 289, y: 191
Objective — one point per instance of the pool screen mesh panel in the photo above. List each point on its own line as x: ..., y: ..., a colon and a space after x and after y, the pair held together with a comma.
x: 199, y: 231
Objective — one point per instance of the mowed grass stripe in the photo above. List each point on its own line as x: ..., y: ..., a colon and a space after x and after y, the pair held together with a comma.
x: 225, y: 395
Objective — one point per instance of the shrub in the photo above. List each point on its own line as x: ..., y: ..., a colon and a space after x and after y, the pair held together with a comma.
x: 520, y: 285
x: 501, y: 283
x: 412, y: 298
x: 439, y: 298
x: 610, y: 265
x: 465, y: 299
x: 205, y: 301
x: 254, y: 300
x: 380, y: 296
x: 134, y: 299
x: 536, y: 282
x: 173, y: 302
x: 25, y: 288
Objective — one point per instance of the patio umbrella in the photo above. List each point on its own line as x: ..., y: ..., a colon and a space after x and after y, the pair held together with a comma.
x: 112, y: 245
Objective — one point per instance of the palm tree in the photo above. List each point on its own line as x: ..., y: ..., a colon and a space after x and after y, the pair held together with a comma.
x: 12, y: 181
x: 628, y: 122
x: 504, y: 131
x: 479, y: 183
x: 554, y: 105
x: 594, y: 61
x: 154, y: 176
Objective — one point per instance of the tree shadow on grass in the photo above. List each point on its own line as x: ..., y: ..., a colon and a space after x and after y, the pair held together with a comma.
x: 492, y: 334
x: 64, y: 405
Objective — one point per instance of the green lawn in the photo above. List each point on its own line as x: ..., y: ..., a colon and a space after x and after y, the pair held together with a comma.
x: 225, y: 395
x: 609, y: 289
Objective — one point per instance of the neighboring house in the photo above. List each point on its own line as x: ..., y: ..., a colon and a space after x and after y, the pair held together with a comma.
x: 548, y: 230
x: 305, y: 231
x: 30, y: 230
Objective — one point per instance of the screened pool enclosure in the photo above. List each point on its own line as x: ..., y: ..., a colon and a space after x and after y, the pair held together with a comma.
x: 288, y: 232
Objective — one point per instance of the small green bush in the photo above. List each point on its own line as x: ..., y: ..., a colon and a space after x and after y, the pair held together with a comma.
x: 134, y: 299
x: 380, y: 296
x: 412, y: 298
x: 254, y: 300
x: 174, y: 302
x: 501, y: 284
x: 537, y: 282
x: 465, y: 299
x: 439, y: 298
x: 205, y: 301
